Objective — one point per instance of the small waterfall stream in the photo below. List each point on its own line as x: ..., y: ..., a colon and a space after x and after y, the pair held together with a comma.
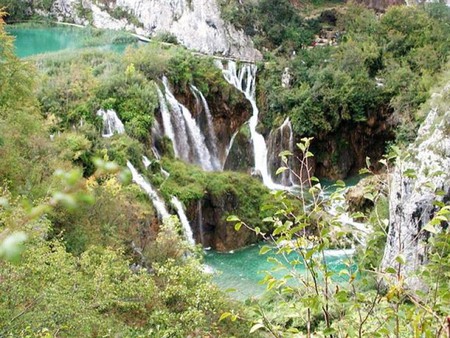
x: 166, y: 118
x: 158, y: 202
x: 200, y: 222
x: 230, y: 145
x: 245, y: 81
x: 111, y: 123
x: 146, y: 161
x: 189, y: 140
x: 183, y: 219
x: 212, y: 138
x: 279, y: 140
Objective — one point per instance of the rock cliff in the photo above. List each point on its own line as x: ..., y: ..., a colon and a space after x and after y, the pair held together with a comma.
x: 196, y: 24
x: 421, y: 177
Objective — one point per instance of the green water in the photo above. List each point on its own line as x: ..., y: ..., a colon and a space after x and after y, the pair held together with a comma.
x: 36, y: 40
x: 243, y: 269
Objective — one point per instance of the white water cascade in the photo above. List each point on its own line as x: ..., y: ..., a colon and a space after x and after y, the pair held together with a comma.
x: 166, y: 118
x: 156, y: 200
x: 111, y: 123
x: 188, y: 140
x: 245, y: 81
x: 230, y: 145
x: 183, y: 219
x: 281, y: 139
x: 287, y: 178
x: 212, y: 138
x: 146, y: 161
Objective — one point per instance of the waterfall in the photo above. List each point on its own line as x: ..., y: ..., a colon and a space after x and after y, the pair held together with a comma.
x: 286, y: 177
x: 146, y: 161
x: 245, y: 81
x: 189, y: 141
x: 281, y: 139
x: 156, y: 200
x: 200, y: 221
x: 231, y: 144
x: 166, y: 118
x: 156, y: 136
x: 183, y: 219
x: 111, y: 123
x: 337, y: 208
x: 212, y: 138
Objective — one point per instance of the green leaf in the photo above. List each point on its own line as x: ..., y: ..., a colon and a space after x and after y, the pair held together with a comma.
x: 400, y: 259
x: 256, y: 327
x: 264, y: 250
x: 224, y: 316
x: 411, y: 173
x: 238, y: 226
x: 233, y: 218
x: 281, y: 170
x: 430, y: 228
x: 285, y: 153
x: 12, y: 246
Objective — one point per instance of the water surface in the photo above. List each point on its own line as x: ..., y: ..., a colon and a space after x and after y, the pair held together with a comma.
x: 243, y: 269
x: 36, y: 40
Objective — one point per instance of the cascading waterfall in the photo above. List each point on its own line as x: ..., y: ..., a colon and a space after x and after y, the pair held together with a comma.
x: 156, y: 135
x: 167, y: 123
x: 245, y: 81
x: 200, y: 221
x: 183, y: 219
x: 189, y: 141
x: 337, y: 208
x: 212, y: 139
x: 111, y: 123
x: 281, y: 139
x: 159, y: 204
x: 146, y: 161
x: 230, y: 145
x: 286, y: 178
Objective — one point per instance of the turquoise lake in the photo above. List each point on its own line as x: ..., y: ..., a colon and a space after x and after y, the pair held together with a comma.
x: 243, y: 269
x: 37, y: 40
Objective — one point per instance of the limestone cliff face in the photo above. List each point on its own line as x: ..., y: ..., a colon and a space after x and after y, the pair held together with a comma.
x: 195, y: 23
x: 424, y: 170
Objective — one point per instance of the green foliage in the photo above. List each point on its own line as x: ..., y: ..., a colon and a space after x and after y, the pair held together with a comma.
x: 16, y: 9
x: 379, y: 64
x: 274, y: 24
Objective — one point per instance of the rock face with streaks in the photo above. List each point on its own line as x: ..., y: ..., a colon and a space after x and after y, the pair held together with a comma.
x: 419, y: 175
x: 196, y: 24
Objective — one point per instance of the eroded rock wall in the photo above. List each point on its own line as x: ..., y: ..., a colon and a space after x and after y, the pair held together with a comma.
x: 418, y: 176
